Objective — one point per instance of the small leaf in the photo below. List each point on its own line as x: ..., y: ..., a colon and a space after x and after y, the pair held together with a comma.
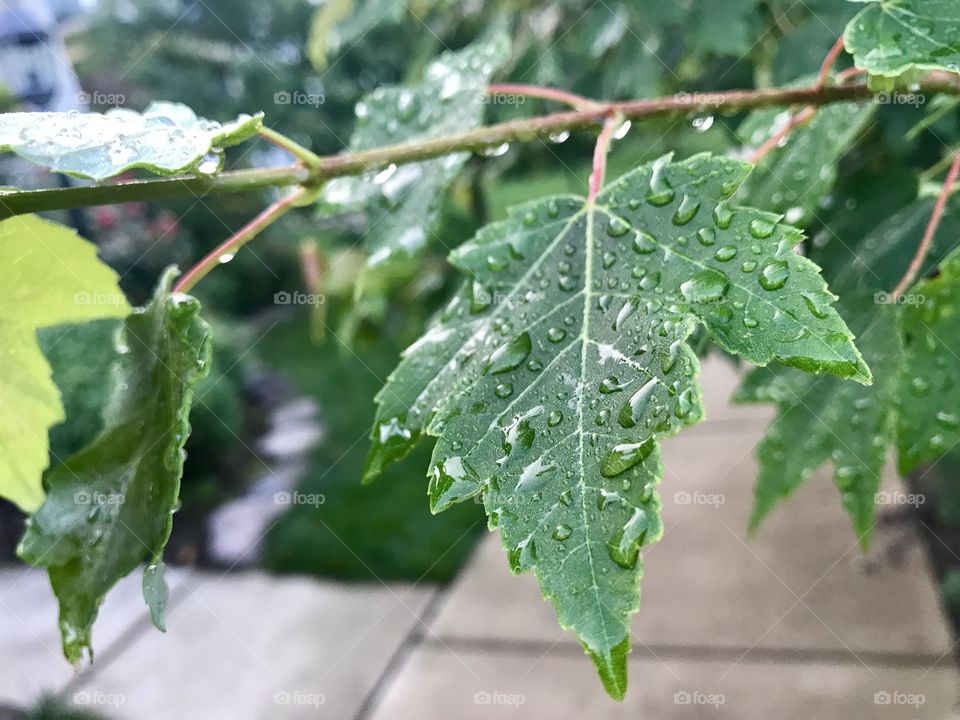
x: 793, y: 179
x: 53, y: 276
x: 404, y: 201
x: 890, y: 37
x: 110, y: 506
x: 166, y: 139
x: 551, y: 377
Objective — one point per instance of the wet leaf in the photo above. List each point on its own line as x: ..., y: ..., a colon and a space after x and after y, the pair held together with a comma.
x: 110, y: 506
x: 551, y: 377
x: 793, y: 179
x: 890, y: 37
x: 820, y: 419
x: 166, y: 139
x: 402, y: 202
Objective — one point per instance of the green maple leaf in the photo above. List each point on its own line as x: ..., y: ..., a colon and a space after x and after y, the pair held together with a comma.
x: 792, y: 179
x: 890, y: 37
x: 167, y: 139
x: 53, y: 277
x: 551, y: 378
x: 912, y: 350
x: 404, y: 202
x: 110, y: 505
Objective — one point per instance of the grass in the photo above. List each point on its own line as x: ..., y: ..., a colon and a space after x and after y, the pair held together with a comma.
x: 382, y: 531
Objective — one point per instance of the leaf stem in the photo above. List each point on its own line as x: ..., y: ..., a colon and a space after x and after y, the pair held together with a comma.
x: 805, y: 115
x: 600, y: 151
x: 479, y: 139
x: 924, y: 247
x: 304, y: 155
x: 801, y: 118
x: 828, y: 62
x: 229, y: 247
x: 544, y: 93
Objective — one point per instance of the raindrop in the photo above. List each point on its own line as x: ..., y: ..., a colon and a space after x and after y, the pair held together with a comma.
x: 644, y: 243
x: 624, y: 456
x: 633, y: 410
x: 617, y: 227
x: 727, y: 252
x: 686, y: 211
x: 509, y: 356
x: 706, y: 286
x: 774, y: 275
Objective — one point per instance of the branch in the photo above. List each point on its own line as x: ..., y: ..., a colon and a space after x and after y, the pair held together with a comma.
x: 491, y: 136
x: 229, y: 247
x: 924, y: 247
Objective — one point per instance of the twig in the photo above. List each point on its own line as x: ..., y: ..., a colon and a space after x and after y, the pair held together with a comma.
x: 480, y: 139
x: 229, y: 247
x: 924, y: 247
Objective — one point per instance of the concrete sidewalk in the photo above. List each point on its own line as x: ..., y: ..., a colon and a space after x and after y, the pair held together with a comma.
x: 793, y: 623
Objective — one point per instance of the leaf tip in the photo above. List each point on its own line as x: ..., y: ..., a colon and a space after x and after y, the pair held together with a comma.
x: 611, y: 665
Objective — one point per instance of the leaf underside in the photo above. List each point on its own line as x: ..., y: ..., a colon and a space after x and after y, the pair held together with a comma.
x: 551, y: 377
x: 890, y: 37
x: 110, y: 505
x: 166, y: 139
x: 52, y: 276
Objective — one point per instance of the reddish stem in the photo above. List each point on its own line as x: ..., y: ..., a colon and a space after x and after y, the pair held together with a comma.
x: 828, y: 62
x: 537, y: 91
x: 805, y: 115
x: 801, y: 118
x: 600, y: 151
x: 924, y: 247
x: 231, y: 245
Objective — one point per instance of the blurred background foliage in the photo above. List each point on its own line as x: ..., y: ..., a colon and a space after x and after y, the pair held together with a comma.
x: 231, y: 56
